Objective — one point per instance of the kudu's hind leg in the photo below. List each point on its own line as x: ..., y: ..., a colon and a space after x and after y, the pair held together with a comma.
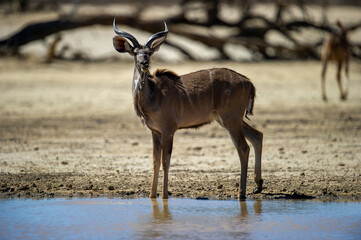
x: 157, y: 149
x: 243, y: 153
x: 323, y: 79
x: 256, y: 139
x: 234, y: 128
x: 339, y: 80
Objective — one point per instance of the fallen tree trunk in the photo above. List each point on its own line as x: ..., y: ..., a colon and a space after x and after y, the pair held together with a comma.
x: 40, y: 30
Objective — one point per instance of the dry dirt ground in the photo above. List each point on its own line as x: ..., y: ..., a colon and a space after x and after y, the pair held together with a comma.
x: 68, y: 129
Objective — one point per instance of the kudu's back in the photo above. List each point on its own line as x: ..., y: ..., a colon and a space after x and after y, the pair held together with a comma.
x: 203, y: 94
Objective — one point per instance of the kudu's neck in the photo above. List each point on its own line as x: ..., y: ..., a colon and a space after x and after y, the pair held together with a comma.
x: 141, y: 91
x: 140, y: 81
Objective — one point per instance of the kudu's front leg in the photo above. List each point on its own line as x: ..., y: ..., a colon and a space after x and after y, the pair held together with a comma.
x: 157, y: 149
x: 167, y: 144
x: 347, y: 79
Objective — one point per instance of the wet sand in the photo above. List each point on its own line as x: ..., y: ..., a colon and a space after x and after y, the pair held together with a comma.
x: 68, y: 129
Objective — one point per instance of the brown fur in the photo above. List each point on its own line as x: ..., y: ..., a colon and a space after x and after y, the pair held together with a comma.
x: 196, y: 99
x: 164, y: 78
x: 165, y: 72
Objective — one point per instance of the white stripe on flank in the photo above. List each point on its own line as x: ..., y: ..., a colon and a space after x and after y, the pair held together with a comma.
x: 188, y: 95
x: 211, y: 79
x: 230, y: 89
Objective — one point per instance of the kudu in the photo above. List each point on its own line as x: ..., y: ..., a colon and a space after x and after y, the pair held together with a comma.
x: 166, y: 102
x: 336, y: 48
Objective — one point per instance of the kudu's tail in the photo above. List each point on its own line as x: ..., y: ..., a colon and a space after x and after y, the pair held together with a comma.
x: 252, y: 95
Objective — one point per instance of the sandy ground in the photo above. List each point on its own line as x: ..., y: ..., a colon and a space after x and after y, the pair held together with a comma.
x: 69, y: 129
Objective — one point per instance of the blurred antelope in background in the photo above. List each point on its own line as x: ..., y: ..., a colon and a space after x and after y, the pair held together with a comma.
x: 167, y: 102
x: 336, y: 48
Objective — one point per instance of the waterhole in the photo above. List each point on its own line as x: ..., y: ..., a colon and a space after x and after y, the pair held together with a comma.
x: 103, y: 218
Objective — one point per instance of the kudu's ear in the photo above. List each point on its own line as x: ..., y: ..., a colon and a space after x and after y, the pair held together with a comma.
x: 155, y: 45
x: 122, y: 45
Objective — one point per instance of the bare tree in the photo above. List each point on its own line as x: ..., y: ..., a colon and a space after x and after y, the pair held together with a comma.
x: 241, y: 31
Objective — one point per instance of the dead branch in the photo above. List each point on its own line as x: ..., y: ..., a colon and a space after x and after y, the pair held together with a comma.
x: 249, y: 35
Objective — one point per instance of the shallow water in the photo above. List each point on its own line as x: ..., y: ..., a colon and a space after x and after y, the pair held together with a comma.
x: 102, y: 218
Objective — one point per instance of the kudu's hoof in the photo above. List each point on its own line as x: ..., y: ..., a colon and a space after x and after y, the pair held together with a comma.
x: 259, y: 187
x: 242, y: 198
x: 257, y: 190
x: 166, y: 196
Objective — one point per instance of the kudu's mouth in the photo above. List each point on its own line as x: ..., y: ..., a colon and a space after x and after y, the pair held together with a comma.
x: 144, y: 67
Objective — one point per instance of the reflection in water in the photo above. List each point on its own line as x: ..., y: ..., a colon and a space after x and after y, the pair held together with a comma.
x: 170, y: 219
x: 257, y: 208
x: 161, y: 215
x: 242, y: 223
x: 198, y: 218
x: 178, y: 219
x: 244, y: 216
